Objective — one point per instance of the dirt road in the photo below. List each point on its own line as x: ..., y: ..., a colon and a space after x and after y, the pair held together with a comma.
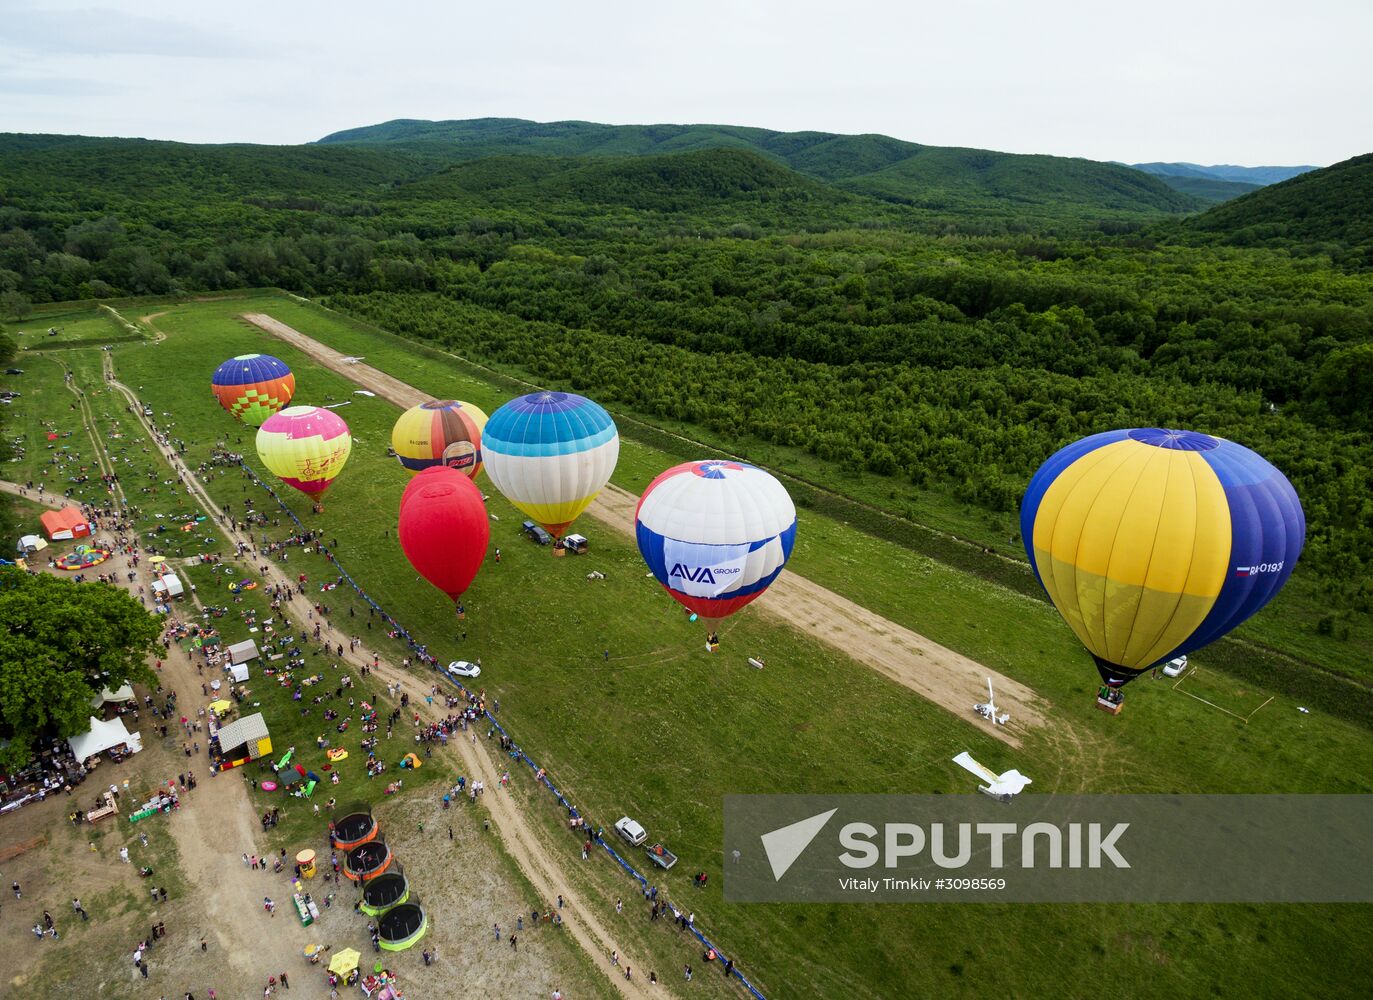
x: 42, y: 498
x: 948, y: 679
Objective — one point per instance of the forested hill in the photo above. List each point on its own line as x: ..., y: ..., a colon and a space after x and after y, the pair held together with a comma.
x: 970, y: 182
x: 1328, y: 211
x: 678, y: 182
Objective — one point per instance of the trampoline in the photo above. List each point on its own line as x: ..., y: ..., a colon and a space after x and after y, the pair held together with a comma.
x: 399, y: 928
x: 354, y: 830
x: 367, y: 862
x: 384, y: 892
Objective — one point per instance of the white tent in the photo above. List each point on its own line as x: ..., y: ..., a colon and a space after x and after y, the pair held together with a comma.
x: 241, y: 652
x: 239, y: 672
x: 103, y: 736
x: 171, y: 583
x: 32, y: 543
x: 125, y: 693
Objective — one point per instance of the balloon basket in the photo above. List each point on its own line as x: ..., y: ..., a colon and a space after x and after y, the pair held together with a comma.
x: 1111, y: 705
x: 559, y: 551
x: 319, y: 508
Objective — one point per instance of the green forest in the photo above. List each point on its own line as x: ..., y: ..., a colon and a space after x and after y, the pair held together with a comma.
x: 937, y: 320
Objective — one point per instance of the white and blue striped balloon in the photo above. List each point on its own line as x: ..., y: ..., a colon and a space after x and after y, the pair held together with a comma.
x: 715, y: 534
x: 549, y: 454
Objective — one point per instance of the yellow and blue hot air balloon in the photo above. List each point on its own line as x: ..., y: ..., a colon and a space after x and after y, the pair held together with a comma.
x: 550, y: 453
x: 253, y: 386
x: 444, y: 432
x: 1152, y: 543
x: 305, y: 447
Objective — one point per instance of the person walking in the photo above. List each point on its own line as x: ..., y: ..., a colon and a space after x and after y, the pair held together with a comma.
x: 514, y: 943
x: 78, y: 908
x: 619, y: 905
x: 497, y: 929
x: 285, y: 982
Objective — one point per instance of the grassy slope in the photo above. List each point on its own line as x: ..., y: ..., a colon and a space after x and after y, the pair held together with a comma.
x: 662, y: 731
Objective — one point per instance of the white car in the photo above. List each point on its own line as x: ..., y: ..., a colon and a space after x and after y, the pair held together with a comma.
x: 461, y: 668
x: 630, y: 831
x: 1175, y: 667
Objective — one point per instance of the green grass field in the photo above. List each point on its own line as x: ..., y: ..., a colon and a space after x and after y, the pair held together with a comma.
x: 58, y: 328
x: 661, y: 731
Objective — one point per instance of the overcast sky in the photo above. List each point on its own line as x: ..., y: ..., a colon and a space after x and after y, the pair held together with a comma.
x: 1210, y: 81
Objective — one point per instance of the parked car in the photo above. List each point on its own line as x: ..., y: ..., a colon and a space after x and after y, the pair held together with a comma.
x: 575, y: 543
x: 1175, y: 667
x: 631, y: 831
x: 461, y: 668
x: 536, y: 533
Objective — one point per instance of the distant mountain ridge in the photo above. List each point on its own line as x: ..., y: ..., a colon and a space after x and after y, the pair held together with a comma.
x: 931, y: 178
x: 1218, y: 183
x: 1258, y: 176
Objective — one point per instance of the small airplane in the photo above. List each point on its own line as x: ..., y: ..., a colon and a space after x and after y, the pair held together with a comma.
x: 987, y: 709
x: 999, y: 786
x: 351, y: 360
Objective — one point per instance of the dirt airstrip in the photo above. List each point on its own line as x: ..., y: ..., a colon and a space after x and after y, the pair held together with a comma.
x: 948, y: 679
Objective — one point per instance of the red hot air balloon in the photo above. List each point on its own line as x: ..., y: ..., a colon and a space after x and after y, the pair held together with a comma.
x: 444, y: 529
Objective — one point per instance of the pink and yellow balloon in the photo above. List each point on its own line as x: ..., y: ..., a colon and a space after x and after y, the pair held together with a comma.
x: 305, y: 447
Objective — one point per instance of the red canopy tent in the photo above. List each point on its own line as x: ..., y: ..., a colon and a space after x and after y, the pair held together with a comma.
x: 64, y: 524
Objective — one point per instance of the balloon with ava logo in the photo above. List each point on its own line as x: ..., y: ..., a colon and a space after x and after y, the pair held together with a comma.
x: 442, y: 432
x: 444, y: 528
x: 1152, y: 543
x: 253, y: 386
x: 549, y: 454
x: 715, y: 534
x: 305, y: 447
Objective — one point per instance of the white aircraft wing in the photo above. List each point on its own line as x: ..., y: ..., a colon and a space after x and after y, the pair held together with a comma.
x: 965, y: 761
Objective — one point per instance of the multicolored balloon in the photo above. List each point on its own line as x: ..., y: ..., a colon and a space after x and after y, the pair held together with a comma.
x: 550, y: 453
x: 715, y: 534
x: 305, y: 447
x: 444, y: 528
x: 443, y: 432
x: 1152, y: 543
x: 253, y: 386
